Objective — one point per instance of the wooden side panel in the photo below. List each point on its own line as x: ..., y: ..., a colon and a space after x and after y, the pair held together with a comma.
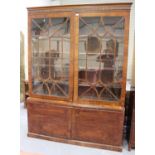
x: 104, y: 127
x: 48, y: 120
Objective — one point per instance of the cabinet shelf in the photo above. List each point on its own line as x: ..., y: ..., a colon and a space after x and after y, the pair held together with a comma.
x: 59, y: 38
x: 47, y: 65
x: 110, y: 85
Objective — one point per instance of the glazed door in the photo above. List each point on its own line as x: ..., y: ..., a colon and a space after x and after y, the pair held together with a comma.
x: 50, y: 53
x: 101, y: 58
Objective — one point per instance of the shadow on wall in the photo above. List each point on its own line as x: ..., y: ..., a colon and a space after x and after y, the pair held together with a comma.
x: 22, y: 73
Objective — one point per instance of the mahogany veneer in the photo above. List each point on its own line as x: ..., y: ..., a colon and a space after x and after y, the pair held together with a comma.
x: 77, y: 78
x: 86, y: 126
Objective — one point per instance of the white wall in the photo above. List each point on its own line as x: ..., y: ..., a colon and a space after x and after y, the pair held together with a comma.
x: 28, y: 3
x: 92, y: 1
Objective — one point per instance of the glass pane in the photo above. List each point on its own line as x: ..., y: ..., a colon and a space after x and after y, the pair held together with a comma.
x: 101, y: 47
x: 50, y: 56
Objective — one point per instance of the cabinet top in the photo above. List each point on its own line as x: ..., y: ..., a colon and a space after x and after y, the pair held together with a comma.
x: 78, y: 7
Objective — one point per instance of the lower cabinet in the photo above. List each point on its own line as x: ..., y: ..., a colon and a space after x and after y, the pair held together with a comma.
x: 83, y: 126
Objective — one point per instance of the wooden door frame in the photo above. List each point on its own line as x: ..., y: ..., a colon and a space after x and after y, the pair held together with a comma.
x: 114, y: 104
x: 50, y: 15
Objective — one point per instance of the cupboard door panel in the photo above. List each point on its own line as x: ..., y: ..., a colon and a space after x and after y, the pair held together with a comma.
x: 98, y: 126
x: 49, y: 120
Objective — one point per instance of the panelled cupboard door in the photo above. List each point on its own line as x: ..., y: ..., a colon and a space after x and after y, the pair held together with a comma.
x: 51, y: 55
x: 49, y: 120
x: 100, y: 70
x: 96, y: 126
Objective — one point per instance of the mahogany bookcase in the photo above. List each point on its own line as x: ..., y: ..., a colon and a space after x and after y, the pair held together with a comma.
x: 77, y: 73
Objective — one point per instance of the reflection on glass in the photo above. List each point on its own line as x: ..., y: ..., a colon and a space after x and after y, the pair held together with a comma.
x: 101, y: 41
x: 50, y: 56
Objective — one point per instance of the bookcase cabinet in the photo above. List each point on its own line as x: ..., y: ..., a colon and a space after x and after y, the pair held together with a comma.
x: 77, y: 73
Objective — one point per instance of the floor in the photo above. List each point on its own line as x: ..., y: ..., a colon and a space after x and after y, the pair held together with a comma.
x: 44, y: 147
x: 26, y: 153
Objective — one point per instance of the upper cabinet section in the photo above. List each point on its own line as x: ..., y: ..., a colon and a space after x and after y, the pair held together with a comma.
x: 78, y: 53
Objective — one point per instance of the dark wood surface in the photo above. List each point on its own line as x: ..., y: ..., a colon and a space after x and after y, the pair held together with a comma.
x: 132, y: 123
x: 73, y: 120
